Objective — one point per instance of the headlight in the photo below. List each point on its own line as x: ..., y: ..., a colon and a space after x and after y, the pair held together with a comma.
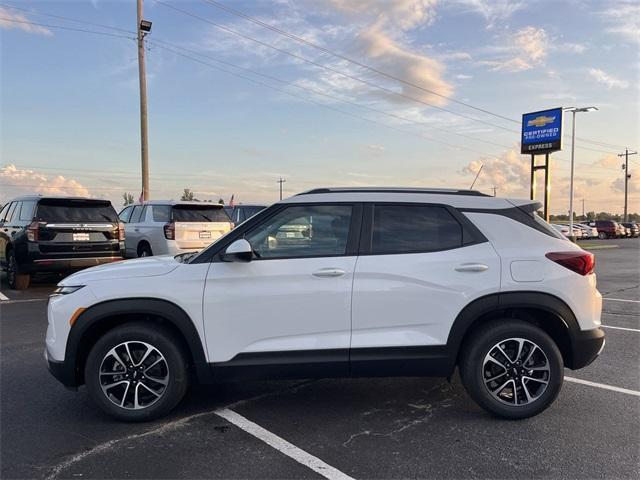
x: 66, y: 290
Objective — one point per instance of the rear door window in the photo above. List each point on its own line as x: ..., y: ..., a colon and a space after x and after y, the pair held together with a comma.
x: 75, y: 211
x: 3, y: 212
x: 135, y: 215
x: 414, y: 228
x: 12, y: 209
x: 197, y: 213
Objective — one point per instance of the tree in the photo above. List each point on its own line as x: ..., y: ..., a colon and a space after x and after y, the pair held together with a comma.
x: 127, y: 198
x: 221, y: 201
x: 187, y: 195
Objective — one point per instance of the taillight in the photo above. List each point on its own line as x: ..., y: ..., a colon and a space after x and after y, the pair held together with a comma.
x: 579, y: 262
x: 32, y: 231
x: 170, y: 231
x: 121, y: 231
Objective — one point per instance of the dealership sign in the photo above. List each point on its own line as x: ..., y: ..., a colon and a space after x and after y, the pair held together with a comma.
x: 542, y: 131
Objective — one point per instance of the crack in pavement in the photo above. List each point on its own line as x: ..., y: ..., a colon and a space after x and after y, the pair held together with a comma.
x: 170, y: 426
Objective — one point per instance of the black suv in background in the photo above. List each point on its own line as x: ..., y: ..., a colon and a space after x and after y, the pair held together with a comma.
x: 57, y: 234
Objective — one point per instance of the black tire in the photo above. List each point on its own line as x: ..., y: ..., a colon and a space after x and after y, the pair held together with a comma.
x: 602, y: 235
x: 144, y: 250
x: 16, y: 280
x: 169, y: 348
x: 474, y: 372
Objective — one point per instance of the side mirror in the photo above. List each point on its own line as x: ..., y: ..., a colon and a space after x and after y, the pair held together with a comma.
x: 238, y: 251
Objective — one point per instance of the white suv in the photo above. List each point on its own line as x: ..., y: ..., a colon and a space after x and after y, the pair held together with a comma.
x: 167, y: 227
x: 340, y: 282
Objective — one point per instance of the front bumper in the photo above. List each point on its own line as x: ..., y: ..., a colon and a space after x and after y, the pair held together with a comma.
x: 62, y: 372
x: 586, y: 346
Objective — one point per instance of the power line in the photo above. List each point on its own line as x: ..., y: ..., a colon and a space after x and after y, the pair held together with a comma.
x: 327, y: 95
x: 331, y: 69
x: 68, y: 19
x: 62, y: 27
x: 283, y: 91
x: 306, y: 99
x: 304, y: 41
x: 350, y: 60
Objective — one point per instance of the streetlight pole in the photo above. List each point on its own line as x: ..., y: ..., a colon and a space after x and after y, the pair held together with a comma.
x: 143, y: 28
x: 574, y: 110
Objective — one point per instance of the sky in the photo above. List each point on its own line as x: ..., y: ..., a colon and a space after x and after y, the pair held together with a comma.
x: 320, y: 93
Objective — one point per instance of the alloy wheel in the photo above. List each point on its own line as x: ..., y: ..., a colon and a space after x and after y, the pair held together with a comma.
x: 516, y: 371
x: 134, y: 375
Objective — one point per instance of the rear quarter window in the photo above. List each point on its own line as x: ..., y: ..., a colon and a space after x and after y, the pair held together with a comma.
x: 414, y: 228
x: 161, y: 213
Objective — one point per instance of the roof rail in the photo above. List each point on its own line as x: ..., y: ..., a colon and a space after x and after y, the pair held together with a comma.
x: 441, y: 191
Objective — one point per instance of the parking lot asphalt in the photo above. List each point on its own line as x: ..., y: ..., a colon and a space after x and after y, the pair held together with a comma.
x: 337, y: 428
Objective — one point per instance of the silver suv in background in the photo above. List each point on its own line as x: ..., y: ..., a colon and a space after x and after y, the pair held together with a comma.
x: 168, y: 227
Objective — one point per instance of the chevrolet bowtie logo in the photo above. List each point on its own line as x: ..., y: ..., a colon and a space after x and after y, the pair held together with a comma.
x: 540, y: 121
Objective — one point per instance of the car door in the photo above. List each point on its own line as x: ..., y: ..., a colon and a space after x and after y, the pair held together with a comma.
x: 132, y: 232
x: 420, y: 265
x: 288, y: 309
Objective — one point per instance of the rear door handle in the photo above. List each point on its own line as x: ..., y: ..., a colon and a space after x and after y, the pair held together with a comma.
x: 329, y: 272
x: 472, y: 267
x: 136, y: 229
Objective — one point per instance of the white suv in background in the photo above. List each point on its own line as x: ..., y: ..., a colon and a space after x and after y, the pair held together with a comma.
x: 167, y: 227
x: 334, y: 283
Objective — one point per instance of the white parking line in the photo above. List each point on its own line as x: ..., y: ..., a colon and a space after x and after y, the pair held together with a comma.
x: 26, y: 300
x: 603, y: 386
x: 621, y: 328
x: 280, y: 444
x: 620, y: 300
x: 3, y: 296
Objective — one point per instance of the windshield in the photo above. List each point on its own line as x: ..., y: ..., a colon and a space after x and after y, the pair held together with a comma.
x: 75, y: 211
x: 196, y: 213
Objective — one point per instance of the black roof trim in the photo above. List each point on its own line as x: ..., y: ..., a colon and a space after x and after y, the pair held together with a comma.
x: 432, y: 191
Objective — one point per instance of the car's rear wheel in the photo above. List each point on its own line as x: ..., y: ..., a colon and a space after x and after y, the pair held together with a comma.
x: 512, y: 369
x: 137, y: 372
x: 16, y: 280
x: 144, y: 250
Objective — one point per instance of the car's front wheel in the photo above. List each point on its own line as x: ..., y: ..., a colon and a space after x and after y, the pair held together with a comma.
x: 137, y: 372
x: 512, y: 369
x: 602, y: 235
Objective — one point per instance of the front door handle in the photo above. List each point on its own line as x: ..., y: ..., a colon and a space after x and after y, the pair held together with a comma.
x: 329, y: 272
x: 472, y: 267
x: 136, y: 229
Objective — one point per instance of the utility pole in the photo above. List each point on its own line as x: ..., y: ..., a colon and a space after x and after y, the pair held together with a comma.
x: 583, y: 216
x: 627, y: 176
x: 494, y: 191
x: 143, y: 28
x: 281, y: 181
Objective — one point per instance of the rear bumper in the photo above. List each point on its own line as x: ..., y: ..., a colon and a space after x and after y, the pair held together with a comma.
x: 586, y: 346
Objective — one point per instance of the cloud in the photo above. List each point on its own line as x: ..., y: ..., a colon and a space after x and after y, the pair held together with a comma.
x: 610, y: 81
x: 493, y: 11
x: 391, y: 57
x: 576, y: 48
x: 608, y: 161
x: 403, y: 14
x: 633, y: 186
x: 526, y: 49
x: 16, y: 181
x: 624, y: 18
x: 462, y: 76
x: 11, y: 19
x: 510, y: 172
